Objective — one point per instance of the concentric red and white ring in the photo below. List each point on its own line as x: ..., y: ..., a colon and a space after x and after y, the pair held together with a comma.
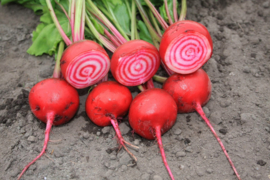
x: 137, y: 68
x: 187, y: 53
x: 87, y: 69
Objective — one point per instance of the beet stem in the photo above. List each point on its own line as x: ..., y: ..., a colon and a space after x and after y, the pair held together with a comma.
x: 121, y: 140
x: 57, y: 68
x: 156, y: 13
x: 175, y: 10
x: 50, y: 119
x: 168, y: 12
x: 200, y: 111
x: 183, y: 10
x: 141, y: 87
x: 159, y: 78
x: 57, y: 24
x: 159, y: 140
x: 150, y: 84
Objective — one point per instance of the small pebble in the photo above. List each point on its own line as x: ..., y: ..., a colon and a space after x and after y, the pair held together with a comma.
x: 181, y: 166
x: 86, y: 135
x: 14, y: 48
x: 17, y: 108
x: 199, y: 171
x: 177, y: 131
x: 106, y: 129
x: 98, y: 133
x: 253, y: 55
x: 157, y: 177
x: 15, y: 172
x: 125, y: 159
x: 223, y: 103
x: 8, y: 121
x: 108, y: 173
x: 246, y: 69
x: 136, y: 142
x: 123, y: 168
x: 31, y: 139
x: 112, y: 157
x: 19, y: 115
x: 266, y: 4
x: 220, y: 16
x: 145, y: 176
x: 58, y: 153
x: 91, y: 138
x: 180, y: 154
x: 124, y: 128
x: 188, y: 149
x: 223, y: 131
x: 30, y: 117
x: 246, y: 117
x: 45, y: 71
x: 254, y: 40
x: 209, y: 170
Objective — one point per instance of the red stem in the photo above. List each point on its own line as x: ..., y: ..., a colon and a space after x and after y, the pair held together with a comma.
x: 150, y: 84
x: 63, y: 9
x: 169, y: 72
x: 200, y: 111
x: 159, y: 140
x: 175, y: 10
x: 57, y: 24
x: 109, y: 25
x: 50, y: 119
x: 112, y: 38
x: 168, y: 12
x: 156, y: 13
x: 107, y: 43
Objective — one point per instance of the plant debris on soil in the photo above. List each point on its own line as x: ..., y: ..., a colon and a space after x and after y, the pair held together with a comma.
x: 239, y: 108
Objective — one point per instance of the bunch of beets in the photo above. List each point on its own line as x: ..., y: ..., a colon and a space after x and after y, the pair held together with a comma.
x: 180, y: 46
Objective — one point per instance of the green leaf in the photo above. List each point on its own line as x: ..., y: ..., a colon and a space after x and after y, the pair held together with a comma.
x: 46, y: 38
x: 43, y: 3
x: 122, y: 16
x: 46, y: 17
x: 64, y: 3
x: 117, y: 12
x: 3, y: 2
x: 37, y: 8
x: 35, y: 5
x: 143, y: 32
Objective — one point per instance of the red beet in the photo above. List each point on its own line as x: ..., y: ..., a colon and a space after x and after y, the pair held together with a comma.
x: 185, y: 46
x: 54, y: 102
x: 152, y: 113
x: 191, y: 92
x: 108, y: 101
x: 135, y: 62
x: 84, y: 63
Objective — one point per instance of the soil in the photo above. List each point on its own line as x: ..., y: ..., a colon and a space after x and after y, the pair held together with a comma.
x: 239, y: 108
